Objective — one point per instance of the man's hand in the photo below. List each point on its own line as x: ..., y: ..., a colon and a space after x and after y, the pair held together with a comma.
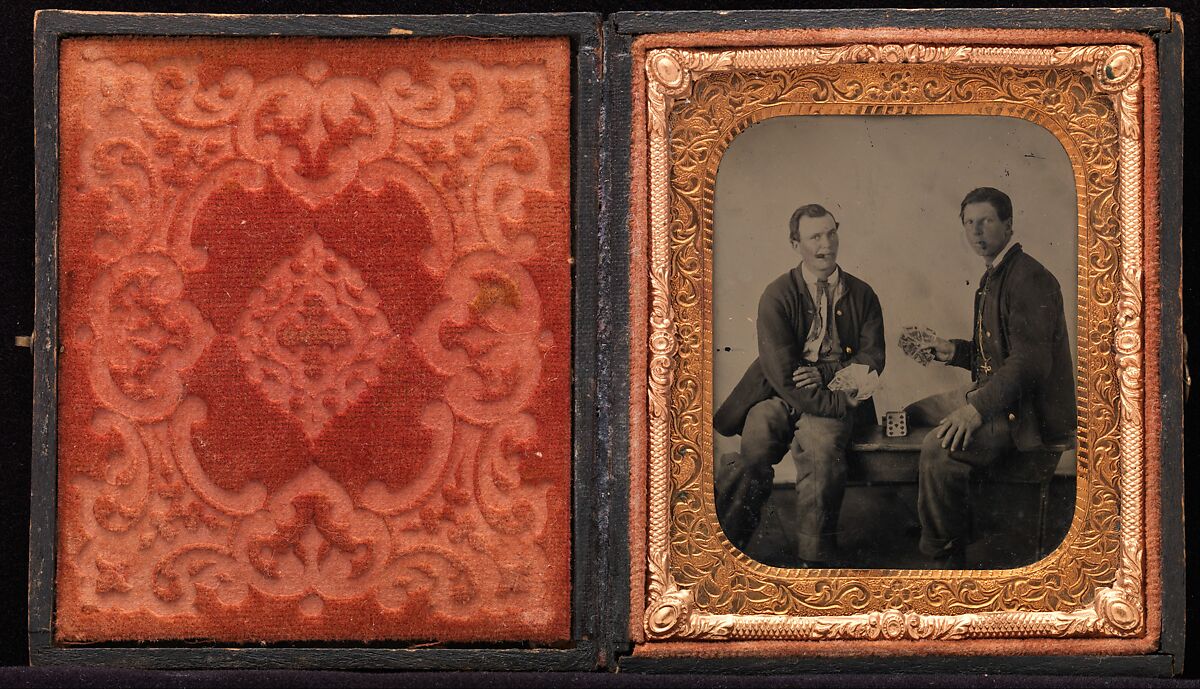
x: 955, y: 430
x: 943, y: 350
x: 806, y: 376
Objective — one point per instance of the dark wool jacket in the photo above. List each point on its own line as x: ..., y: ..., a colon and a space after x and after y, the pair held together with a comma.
x: 784, y: 313
x: 1024, y: 335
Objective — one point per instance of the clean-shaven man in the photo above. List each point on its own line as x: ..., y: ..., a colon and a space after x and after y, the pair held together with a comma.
x: 1022, y: 393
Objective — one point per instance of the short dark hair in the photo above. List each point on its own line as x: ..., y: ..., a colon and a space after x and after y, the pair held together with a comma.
x: 997, y: 198
x: 812, y: 210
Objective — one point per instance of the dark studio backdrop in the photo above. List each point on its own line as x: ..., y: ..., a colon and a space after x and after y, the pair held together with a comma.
x: 16, y: 318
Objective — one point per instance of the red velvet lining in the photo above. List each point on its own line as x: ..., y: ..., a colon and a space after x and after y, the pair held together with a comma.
x: 315, y: 320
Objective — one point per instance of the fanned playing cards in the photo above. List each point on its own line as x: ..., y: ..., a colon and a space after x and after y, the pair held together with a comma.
x: 858, y: 378
x: 917, y: 342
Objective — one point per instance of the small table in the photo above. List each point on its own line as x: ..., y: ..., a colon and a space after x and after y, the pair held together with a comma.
x: 875, y: 459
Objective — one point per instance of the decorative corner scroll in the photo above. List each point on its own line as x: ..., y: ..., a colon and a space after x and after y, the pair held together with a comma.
x: 1115, y: 609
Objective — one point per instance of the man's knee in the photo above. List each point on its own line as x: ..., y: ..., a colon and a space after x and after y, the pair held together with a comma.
x: 931, y: 444
x: 767, y: 432
x: 821, y: 436
x: 937, y: 460
x: 770, y: 417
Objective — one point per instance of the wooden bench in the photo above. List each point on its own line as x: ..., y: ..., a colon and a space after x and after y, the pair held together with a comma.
x: 875, y: 459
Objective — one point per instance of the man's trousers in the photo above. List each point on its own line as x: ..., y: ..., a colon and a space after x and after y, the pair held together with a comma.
x: 944, y: 494
x: 743, y: 481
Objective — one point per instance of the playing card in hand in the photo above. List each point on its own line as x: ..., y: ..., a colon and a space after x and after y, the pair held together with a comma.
x: 857, y: 378
x: 917, y: 342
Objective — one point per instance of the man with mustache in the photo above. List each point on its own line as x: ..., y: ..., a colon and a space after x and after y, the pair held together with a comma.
x: 813, y: 321
x: 1022, y: 394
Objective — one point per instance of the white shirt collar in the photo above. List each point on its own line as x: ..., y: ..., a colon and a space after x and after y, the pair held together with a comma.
x: 1003, y: 252
x: 811, y: 278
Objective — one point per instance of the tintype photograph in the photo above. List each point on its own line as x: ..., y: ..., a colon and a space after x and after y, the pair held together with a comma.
x: 894, y: 335
x: 896, y: 355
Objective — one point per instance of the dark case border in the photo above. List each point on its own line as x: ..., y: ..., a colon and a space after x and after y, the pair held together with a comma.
x: 601, y: 112
x: 1166, y: 28
x: 587, y: 647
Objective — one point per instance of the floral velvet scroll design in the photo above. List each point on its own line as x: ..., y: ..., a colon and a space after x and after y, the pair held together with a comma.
x: 462, y: 536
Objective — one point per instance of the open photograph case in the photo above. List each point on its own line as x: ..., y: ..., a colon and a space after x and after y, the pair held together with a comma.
x: 435, y: 342
x: 887, y: 155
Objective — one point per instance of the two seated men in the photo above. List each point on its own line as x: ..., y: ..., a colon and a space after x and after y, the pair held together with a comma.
x: 817, y: 319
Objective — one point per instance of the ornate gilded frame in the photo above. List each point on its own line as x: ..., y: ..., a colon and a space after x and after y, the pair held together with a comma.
x: 1094, y: 585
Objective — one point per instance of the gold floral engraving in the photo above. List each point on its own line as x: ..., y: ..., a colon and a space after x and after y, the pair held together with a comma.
x: 699, y: 585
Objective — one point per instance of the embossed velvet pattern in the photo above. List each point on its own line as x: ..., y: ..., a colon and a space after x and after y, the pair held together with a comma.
x: 314, y: 375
